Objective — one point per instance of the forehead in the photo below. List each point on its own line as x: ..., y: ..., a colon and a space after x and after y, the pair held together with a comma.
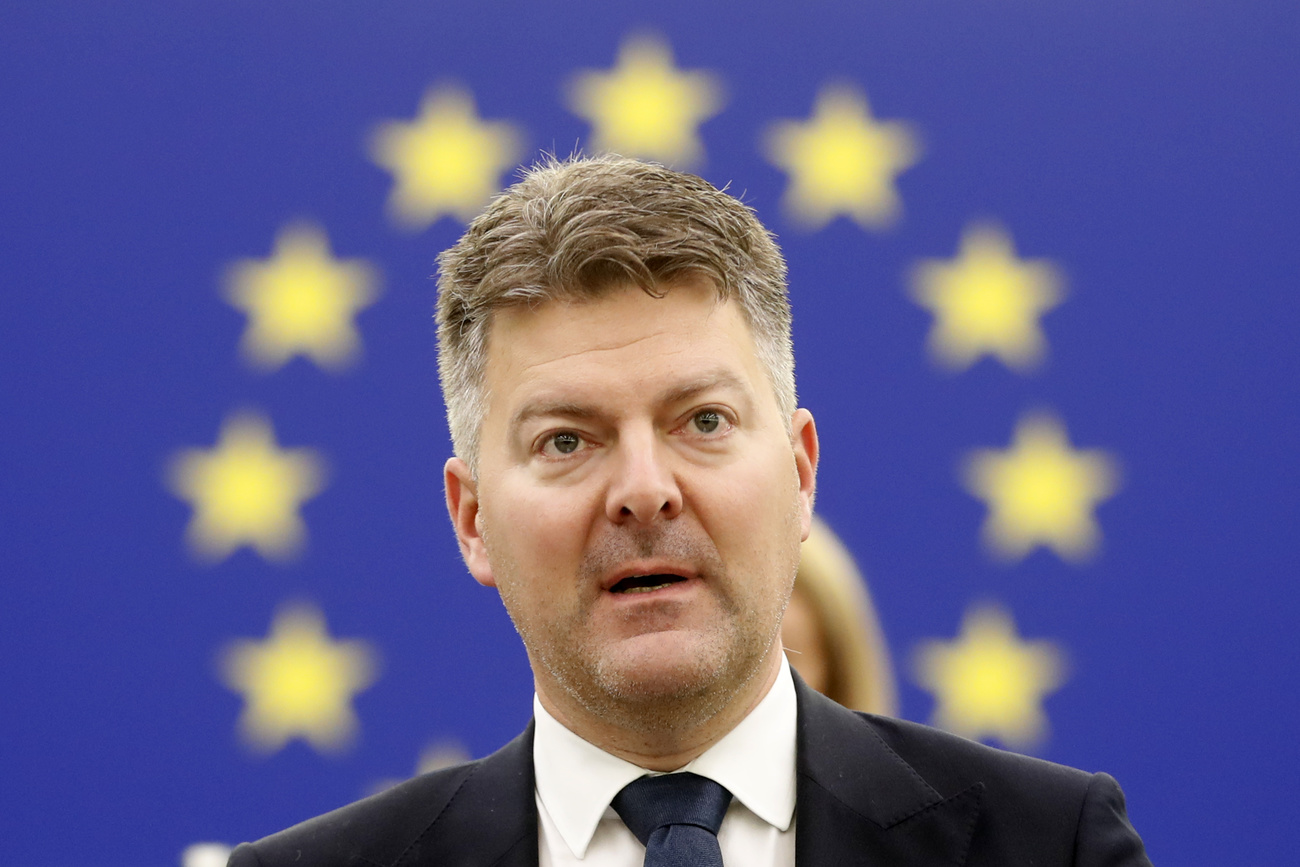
x: 620, y: 342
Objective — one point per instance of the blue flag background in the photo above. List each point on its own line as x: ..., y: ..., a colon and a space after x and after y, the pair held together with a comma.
x: 1044, y: 269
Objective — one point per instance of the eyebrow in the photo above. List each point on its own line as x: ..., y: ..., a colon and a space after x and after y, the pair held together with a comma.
x: 547, y: 408
x: 715, y: 379
x: 544, y: 408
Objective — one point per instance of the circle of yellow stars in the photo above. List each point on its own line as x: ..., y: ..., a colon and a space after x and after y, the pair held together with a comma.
x: 298, y: 682
x: 448, y: 161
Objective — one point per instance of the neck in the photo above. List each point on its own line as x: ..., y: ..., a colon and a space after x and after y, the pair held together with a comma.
x: 660, y: 746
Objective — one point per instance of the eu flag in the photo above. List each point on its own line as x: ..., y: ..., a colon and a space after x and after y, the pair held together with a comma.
x: 1045, y: 276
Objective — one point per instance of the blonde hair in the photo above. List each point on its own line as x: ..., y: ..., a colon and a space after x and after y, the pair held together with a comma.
x: 860, y: 675
x: 578, y: 228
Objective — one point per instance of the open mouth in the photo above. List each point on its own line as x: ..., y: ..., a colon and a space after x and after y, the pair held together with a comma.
x: 645, y: 583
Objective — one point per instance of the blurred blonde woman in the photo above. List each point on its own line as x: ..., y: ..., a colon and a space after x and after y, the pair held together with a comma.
x: 832, y: 631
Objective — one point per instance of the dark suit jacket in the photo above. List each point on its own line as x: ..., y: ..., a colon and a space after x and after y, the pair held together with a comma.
x: 871, y: 791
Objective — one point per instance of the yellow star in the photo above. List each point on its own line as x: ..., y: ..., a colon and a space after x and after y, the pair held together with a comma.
x: 301, y: 301
x: 987, y: 302
x: 445, y: 162
x: 988, y: 683
x: 298, y: 683
x: 1041, y: 492
x: 246, y: 491
x: 645, y: 106
x: 842, y: 161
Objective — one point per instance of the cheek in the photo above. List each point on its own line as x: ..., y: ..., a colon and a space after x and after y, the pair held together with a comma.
x: 757, y: 494
x: 541, y: 530
x: 752, y: 519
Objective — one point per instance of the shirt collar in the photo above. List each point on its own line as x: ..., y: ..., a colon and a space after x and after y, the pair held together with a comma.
x: 576, y: 780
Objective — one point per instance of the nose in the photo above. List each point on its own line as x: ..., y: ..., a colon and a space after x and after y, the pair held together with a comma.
x: 644, y: 488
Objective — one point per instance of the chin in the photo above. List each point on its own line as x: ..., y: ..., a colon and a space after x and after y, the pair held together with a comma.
x: 656, y: 682
x: 667, y: 666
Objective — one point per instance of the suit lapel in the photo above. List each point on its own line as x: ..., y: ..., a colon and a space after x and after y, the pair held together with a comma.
x: 859, y: 803
x: 491, y: 820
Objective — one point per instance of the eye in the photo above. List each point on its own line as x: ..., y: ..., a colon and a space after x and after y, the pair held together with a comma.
x: 562, y: 443
x: 709, y: 421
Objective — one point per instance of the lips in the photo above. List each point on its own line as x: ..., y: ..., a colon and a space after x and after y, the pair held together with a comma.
x: 646, y: 576
x: 646, y: 583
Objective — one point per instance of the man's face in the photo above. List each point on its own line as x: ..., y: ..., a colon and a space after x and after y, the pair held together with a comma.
x: 640, y: 499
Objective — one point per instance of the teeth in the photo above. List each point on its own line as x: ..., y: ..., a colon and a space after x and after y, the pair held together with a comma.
x: 646, y: 589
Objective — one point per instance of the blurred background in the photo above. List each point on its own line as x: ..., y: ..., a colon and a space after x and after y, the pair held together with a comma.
x: 1044, y: 268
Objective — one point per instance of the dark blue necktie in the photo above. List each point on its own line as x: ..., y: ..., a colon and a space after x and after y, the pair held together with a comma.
x: 677, y: 817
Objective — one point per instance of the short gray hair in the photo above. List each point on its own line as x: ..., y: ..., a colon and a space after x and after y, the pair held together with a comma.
x: 575, y: 229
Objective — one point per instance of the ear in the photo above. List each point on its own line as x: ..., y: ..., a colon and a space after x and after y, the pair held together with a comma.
x: 804, y: 439
x: 462, y: 504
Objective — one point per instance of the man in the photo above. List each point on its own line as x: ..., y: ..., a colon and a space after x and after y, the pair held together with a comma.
x: 633, y: 476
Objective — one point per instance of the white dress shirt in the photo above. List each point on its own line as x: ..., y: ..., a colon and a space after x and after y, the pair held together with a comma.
x: 755, y: 761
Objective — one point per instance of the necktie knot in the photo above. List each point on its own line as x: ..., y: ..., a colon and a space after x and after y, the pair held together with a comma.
x: 676, y: 816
